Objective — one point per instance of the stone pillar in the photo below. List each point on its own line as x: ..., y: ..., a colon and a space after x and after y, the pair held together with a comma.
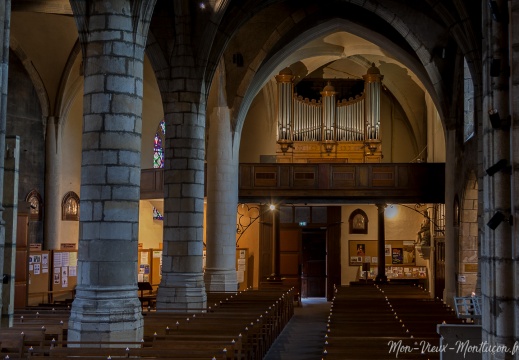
x: 53, y: 195
x: 381, y: 276
x: 5, y: 27
x: 514, y: 159
x: 11, y: 172
x: 276, y: 238
x: 222, y: 201
x: 498, y: 283
x: 182, y: 285
x: 449, y: 291
x: 112, y: 35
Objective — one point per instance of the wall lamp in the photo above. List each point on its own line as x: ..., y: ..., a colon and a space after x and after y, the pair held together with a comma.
x: 501, y: 165
x: 498, y: 218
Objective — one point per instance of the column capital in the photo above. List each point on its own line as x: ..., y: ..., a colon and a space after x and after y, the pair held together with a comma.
x: 381, y: 207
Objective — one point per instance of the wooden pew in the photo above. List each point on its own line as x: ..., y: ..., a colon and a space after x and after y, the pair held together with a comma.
x: 253, y: 319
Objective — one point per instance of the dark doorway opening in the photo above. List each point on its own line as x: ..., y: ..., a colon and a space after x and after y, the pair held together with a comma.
x: 313, y: 272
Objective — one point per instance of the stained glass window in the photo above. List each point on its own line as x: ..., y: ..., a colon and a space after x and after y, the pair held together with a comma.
x: 158, y: 150
x: 158, y: 158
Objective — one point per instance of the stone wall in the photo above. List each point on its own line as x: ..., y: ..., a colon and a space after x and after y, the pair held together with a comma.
x: 24, y: 119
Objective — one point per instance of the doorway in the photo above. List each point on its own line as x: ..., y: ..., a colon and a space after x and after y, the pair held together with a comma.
x: 313, y: 272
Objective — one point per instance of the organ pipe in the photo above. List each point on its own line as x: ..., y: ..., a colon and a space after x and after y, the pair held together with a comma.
x: 355, y: 119
x: 328, y: 118
x: 372, y: 83
x: 285, y: 81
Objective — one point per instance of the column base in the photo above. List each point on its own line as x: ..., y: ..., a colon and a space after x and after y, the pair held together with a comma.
x: 107, y: 319
x: 181, y: 293
x: 219, y: 280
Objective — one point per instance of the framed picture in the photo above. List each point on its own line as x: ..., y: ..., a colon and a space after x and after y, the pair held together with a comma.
x: 358, y: 222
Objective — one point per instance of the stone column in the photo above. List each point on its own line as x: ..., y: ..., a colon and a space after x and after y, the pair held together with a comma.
x: 381, y: 276
x: 5, y: 27
x: 11, y: 175
x: 449, y: 291
x: 182, y: 285
x: 276, y: 238
x: 222, y: 200
x: 514, y: 159
x: 53, y: 196
x: 112, y: 35
x: 499, y: 318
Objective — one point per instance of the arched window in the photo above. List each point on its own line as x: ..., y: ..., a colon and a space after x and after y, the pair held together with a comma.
x: 158, y: 149
x: 35, y: 203
x: 468, y: 108
x: 70, y: 207
x: 158, y: 158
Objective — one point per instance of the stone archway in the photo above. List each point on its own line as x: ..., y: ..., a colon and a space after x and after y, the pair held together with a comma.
x: 468, y: 238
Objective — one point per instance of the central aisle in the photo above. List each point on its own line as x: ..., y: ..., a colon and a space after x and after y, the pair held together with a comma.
x: 303, y: 336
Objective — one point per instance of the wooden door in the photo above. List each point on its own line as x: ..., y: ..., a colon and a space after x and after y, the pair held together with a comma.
x: 290, y: 257
x: 439, y: 267
x: 314, y: 263
x: 265, y: 250
x: 333, y: 250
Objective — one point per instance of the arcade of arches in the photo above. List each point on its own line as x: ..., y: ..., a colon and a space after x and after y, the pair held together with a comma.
x: 144, y: 142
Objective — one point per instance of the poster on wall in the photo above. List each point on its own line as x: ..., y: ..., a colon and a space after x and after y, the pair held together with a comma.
x: 397, y: 256
x: 64, y: 276
x: 45, y: 260
x: 387, y: 250
x: 361, y: 249
x: 355, y: 260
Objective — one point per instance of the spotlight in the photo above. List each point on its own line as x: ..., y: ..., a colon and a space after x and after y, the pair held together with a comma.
x: 498, y: 166
x: 497, y: 219
x: 494, y: 10
x: 495, y: 120
x: 495, y: 67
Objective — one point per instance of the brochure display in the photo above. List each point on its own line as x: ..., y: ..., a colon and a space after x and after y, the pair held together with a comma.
x: 397, y: 252
x: 38, y: 282
x: 63, y: 279
x: 52, y: 276
x: 242, y: 262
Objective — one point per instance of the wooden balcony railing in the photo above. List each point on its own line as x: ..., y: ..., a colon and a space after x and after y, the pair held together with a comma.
x: 329, y: 182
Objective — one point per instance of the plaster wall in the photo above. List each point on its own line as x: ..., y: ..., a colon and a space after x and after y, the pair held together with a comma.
x: 71, y: 164
x: 401, y: 223
x: 259, y: 132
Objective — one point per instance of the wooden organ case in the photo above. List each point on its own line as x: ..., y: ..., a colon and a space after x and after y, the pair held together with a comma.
x: 327, y: 130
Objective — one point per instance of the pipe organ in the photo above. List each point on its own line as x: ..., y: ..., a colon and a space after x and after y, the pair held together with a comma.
x: 328, y: 130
